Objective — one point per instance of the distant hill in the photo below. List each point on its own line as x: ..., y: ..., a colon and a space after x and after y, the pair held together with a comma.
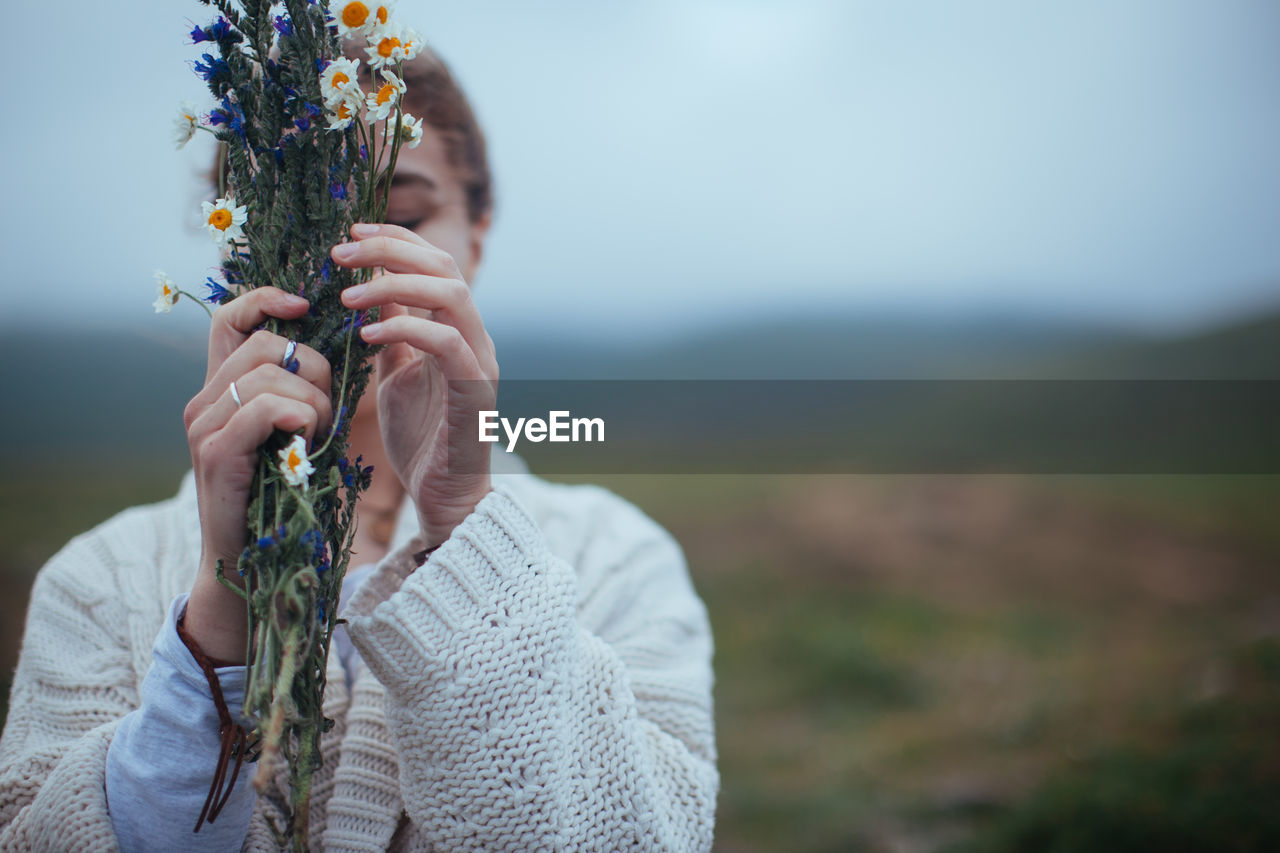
x: 827, y: 347
x: 124, y: 394
x: 1246, y: 350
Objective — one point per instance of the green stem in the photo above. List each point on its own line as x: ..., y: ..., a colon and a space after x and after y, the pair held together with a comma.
x: 222, y: 579
x: 342, y: 392
x: 197, y: 300
x: 222, y: 168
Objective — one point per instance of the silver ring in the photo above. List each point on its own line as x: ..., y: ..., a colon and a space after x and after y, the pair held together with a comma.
x: 235, y: 395
x: 289, y: 350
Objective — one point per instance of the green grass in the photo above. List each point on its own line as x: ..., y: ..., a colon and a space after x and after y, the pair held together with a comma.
x: 940, y: 663
x: 1208, y: 781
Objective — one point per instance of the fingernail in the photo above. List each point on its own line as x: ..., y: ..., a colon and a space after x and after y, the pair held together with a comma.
x: 344, y: 251
x: 361, y: 229
x: 354, y: 292
x: 371, y: 330
x: 297, y: 300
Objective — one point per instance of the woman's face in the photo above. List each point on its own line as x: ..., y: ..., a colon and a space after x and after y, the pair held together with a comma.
x: 428, y: 197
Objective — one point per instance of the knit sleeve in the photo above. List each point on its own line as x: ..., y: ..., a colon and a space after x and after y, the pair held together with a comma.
x: 537, y: 705
x: 73, y: 684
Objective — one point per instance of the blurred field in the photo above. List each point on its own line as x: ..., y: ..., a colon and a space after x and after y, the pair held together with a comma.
x: 942, y: 663
x: 924, y: 663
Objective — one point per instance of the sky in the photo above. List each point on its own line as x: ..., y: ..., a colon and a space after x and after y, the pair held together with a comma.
x: 665, y: 164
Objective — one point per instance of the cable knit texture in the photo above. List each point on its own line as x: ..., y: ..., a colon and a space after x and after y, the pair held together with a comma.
x: 542, y: 683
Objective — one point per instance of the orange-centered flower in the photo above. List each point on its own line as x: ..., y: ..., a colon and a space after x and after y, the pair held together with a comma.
x: 392, y: 44
x: 354, y: 19
x: 166, y: 293
x: 224, y: 219
x: 294, y: 464
x: 184, y: 126
x: 337, y: 81
x: 382, y: 101
x: 356, y: 14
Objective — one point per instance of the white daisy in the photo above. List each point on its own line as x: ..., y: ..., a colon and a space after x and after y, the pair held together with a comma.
x: 391, y: 44
x: 342, y: 113
x: 382, y: 100
x: 354, y: 18
x: 225, y: 220
x: 339, y: 80
x: 381, y: 14
x: 167, y: 293
x: 410, y: 130
x: 185, y: 124
x: 294, y: 464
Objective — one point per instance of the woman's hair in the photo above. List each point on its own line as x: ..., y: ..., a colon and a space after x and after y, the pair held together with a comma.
x: 434, y: 96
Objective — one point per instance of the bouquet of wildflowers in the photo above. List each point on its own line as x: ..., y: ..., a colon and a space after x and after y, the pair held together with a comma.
x: 304, y: 153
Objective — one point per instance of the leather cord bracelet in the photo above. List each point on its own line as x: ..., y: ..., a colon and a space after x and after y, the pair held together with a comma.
x: 235, y: 740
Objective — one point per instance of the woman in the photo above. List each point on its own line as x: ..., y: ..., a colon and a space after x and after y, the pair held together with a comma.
x: 542, y: 681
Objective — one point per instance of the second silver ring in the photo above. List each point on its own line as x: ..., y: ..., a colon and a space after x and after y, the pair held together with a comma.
x: 235, y: 395
x: 289, y: 349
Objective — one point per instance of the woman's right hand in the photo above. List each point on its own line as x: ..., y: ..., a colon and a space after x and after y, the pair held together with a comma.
x: 224, y: 439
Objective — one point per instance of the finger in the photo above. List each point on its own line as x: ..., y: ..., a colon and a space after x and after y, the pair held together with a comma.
x: 396, y: 255
x: 234, y: 321
x: 263, y: 381
x: 394, y: 354
x: 250, y: 426
x: 265, y: 347
x: 364, y: 230
x: 446, y: 343
x: 449, y: 300
x: 262, y: 347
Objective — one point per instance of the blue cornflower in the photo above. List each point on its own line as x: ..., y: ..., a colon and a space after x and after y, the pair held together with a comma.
x: 229, y: 114
x: 338, y: 190
x: 283, y: 25
x: 212, y: 69
x: 326, y: 270
x: 199, y: 34
x: 302, y: 123
x: 364, y: 153
x: 218, y: 294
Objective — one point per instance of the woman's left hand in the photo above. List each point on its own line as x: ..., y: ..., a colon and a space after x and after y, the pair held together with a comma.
x: 437, y: 371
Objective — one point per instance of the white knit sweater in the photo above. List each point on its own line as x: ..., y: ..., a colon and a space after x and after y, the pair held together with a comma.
x: 542, y: 683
